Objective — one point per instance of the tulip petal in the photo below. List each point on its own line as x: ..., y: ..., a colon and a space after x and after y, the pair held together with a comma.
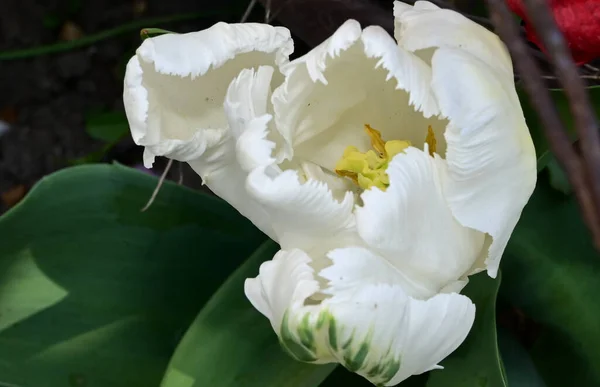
x: 302, y: 212
x: 248, y: 109
x: 370, y: 327
x: 224, y: 169
x: 353, y: 78
x: 491, y: 159
x: 285, y: 281
x: 175, y: 85
x: 412, y: 226
x: 425, y: 25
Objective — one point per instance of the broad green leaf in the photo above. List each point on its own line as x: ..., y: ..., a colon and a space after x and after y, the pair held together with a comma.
x: 520, y: 369
x: 535, y: 126
x: 94, y: 292
x: 109, y: 126
x: 342, y: 377
x: 552, y: 273
x: 231, y: 344
x: 477, y: 361
x: 558, y: 361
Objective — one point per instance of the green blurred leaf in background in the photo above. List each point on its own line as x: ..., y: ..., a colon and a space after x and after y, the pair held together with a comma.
x: 542, y: 147
x: 477, y: 361
x: 94, y: 292
x: 231, y: 344
x: 552, y: 273
x: 108, y: 127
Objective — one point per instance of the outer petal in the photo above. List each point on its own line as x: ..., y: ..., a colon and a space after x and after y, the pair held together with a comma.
x: 427, y: 26
x: 303, y: 213
x: 371, y: 328
x: 353, y: 78
x: 295, y: 208
x: 491, y: 159
x: 175, y: 84
x: 286, y: 281
x: 412, y: 226
x: 224, y: 169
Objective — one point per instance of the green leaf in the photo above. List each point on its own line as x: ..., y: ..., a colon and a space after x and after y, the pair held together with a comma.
x: 477, y: 361
x: 558, y: 177
x: 342, y: 377
x: 94, y: 292
x: 535, y: 127
x: 520, y: 369
x: 107, y: 126
x: 232, y: 344
x: 146, y: 33
x: 552, y: 273
x: 556, y: 358
x: 92, y: 157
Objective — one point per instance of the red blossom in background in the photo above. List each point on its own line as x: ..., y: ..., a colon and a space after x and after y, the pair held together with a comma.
x: 579, y: 21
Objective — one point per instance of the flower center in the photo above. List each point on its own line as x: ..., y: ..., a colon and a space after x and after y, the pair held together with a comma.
x: 367, y: 169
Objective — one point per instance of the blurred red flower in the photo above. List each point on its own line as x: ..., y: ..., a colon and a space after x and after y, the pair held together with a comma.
x: 579, y: 21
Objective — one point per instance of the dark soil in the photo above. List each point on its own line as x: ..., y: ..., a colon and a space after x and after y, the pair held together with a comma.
x: 46, y: 98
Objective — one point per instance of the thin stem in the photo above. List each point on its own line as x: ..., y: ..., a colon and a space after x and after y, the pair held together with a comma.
x: 584, y: 117
x: 102, y: 35
x: 249, y: 9
x: 553, y: 126
x: 268, y: 12
x: 582, y: 76
x: 158, y: 185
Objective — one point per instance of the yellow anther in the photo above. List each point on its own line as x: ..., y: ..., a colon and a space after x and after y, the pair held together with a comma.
x: 349, y: 174
x: 431, y: 141
x: 376, y: 141
x: 394, y: 147
x: 368, y: 169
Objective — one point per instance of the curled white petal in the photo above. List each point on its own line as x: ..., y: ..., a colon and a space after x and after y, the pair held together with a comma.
x: 491, y: 159
x: 175, y: 85
x: 287, y: 280
x: 302, y: 214
x: 355, y: 77
x: 224, y: 169
x: 372, y: 328
x: 247, y: 110
x: 412, y: 226
x: 425, y: 26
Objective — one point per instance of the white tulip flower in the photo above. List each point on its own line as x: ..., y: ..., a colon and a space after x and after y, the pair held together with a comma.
x: 387, y: 170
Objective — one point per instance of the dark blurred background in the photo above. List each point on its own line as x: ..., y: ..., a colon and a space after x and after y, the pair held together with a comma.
x: 65, y: 107
x: 62, y: 64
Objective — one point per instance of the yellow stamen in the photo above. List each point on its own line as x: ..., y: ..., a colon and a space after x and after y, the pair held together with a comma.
x: 431, y: 141
x: 349, y: 174
x: 376, y: 141
x: 367, y: 169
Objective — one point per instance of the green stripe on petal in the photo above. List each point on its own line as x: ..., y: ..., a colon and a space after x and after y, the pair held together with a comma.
x: 333, y: 342
x: 317, y: 340
x: 303, y: 351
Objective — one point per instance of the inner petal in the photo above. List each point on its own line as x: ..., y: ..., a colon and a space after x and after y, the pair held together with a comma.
x: 180, y: 105
x: 176, y: 83
x: 411, y: 225
x: 367, y: 83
